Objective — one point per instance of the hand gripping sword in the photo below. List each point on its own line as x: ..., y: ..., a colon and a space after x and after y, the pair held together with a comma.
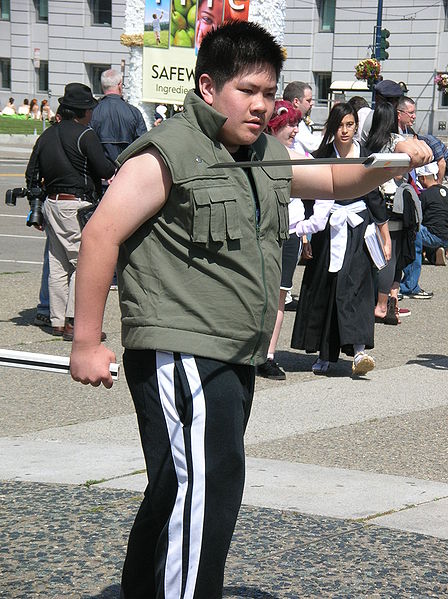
x: 43, y: 362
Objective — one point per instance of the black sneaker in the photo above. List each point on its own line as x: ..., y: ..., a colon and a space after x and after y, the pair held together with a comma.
x: 271, y: 370
x: 291, y: 306
x: 420, y: 295
x: 42, y: 320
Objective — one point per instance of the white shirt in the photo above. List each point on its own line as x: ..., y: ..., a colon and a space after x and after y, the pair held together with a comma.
x: 305, y: 141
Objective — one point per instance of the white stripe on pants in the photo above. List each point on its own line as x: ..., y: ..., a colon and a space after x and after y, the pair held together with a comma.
x: 173, y: 568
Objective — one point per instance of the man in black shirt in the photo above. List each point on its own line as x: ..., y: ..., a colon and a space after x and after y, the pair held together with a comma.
x: 70, y: 161
x: 433, y: 231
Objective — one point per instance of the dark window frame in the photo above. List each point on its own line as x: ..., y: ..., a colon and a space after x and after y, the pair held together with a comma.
x: 101, y: 15
x: 443, y: 100
x: 42, y: 76
x: 327, y: 15
x: 322, y: 80
x: 41, y: 7
x: 5, y: 73
x: 5, y: 10
x: 94, y: 71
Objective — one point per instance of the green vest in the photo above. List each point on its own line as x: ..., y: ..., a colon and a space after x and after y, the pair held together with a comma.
x: 202, y: 276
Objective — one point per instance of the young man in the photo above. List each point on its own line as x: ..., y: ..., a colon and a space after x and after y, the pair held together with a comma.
x: 199, y: 272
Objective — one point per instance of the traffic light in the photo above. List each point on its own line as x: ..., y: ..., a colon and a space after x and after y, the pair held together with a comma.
x: 384, y: 44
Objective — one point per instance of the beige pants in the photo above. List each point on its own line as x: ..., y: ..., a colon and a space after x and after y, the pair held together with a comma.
x: 64, y: 237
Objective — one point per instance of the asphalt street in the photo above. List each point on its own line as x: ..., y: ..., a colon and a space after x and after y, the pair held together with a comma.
x: 21, y: 247
x: 347, y: 479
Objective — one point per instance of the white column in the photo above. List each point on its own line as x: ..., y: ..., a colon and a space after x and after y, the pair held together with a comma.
x: 270, y: 14
x: 134, y: 25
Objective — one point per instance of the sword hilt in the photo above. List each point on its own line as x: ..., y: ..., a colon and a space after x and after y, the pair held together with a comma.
x: 44, y: 362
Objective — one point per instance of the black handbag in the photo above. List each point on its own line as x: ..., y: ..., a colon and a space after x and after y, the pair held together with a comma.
x: 85, y: 214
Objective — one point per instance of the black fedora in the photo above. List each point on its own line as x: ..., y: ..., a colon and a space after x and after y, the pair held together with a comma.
x: 78, y: 95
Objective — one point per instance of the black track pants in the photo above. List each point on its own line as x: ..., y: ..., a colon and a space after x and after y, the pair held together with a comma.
x: 192, y: 413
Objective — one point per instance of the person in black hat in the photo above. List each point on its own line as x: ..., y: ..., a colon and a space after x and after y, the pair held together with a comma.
x: 385, y: 91
x: 69, y: 160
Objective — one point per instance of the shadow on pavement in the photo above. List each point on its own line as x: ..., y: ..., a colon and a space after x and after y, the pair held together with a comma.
x: 292, y: 361
x: 112, y: 592
x: 25, y: 318
x: 247, y: 593
x: 436, y: 361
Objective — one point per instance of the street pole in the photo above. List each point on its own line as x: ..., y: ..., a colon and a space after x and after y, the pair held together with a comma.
x: 379, y: 23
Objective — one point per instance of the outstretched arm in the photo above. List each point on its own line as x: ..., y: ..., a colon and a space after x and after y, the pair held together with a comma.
x: 344, y: 182
x: 138, y: 192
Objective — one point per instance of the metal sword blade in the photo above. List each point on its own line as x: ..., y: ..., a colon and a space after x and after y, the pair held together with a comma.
x: 293, y: 162
x: 386, y: 160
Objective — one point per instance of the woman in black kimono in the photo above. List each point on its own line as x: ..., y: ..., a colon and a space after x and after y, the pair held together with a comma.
x: 336, y: 305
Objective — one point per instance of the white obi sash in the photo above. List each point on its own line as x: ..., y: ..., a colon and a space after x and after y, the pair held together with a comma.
x: 340, y: 217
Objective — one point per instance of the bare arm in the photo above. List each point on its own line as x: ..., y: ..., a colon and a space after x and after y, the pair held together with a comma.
x: 138, y: 192
x: 384, y: 230
x: 345, y: 182
x: 442, y: 168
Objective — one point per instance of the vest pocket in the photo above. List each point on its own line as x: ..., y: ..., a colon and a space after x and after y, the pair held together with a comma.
x: 216, y: 216
x: 282, y: 195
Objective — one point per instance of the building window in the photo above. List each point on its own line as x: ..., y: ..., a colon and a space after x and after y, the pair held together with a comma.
x: 101, y: 12
x: 443, y: 100
x: 5, y: 13
x: 327, y: 11
x: 322, y: 83
x: 41, y: 10
x: 42, y: 76
x: 5, y: 66
x: 94, y: 71
x: 445, y: 7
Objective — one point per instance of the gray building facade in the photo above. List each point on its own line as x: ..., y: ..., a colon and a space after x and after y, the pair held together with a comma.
x: 45, y: 44
x: 326, y: 38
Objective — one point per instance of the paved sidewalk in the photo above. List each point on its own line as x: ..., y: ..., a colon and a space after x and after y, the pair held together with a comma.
x: 347, y: 480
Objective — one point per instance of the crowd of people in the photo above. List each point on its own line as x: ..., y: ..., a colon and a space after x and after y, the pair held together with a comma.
x: 202, y: 276
x: 30, y: 109
x: 342, y: 294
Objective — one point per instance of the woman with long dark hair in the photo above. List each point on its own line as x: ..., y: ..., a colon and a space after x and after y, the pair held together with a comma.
x: 336, y: 303
x: 383, y: 137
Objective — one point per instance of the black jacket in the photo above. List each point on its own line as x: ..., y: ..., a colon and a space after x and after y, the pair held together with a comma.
x: 117, y: 124
x: 71, y: 162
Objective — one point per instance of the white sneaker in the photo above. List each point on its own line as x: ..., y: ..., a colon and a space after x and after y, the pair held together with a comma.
x: 362, y: 364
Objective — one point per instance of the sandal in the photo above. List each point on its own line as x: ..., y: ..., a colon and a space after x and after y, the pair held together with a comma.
x: 391, y: 316
x: 320, y: 366
x: 362, y: 364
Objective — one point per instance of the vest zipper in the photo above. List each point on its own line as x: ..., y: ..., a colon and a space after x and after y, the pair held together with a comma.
x: 263, y: 272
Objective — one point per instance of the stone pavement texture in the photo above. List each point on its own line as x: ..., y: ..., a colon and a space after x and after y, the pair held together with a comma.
x: 347, y: 480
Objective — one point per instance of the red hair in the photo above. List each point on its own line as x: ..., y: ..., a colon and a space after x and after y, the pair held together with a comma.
x: 284, y: 114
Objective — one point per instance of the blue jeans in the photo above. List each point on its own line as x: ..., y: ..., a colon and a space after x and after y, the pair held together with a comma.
x: 43, y: 307
x: 411, y: 274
